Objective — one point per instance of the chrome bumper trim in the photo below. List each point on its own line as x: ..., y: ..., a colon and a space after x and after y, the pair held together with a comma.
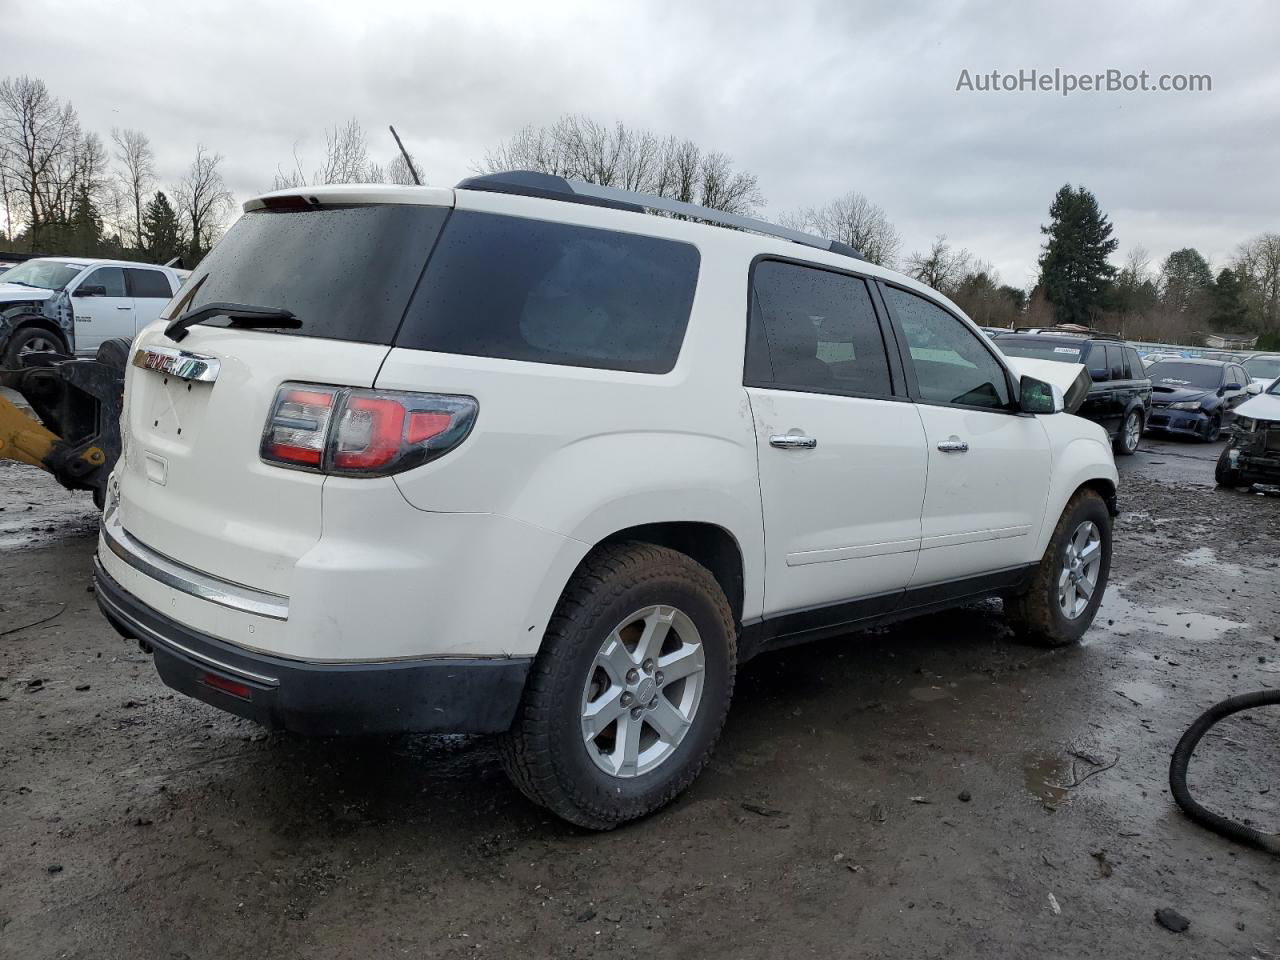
x: 205, y: 586
x: 156, y: 639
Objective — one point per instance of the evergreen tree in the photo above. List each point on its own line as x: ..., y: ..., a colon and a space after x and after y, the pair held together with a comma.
x: 161, y: 232
x: 84, y: 229
x: 1229, y: 309
x: 1074, y: 272
x: 1185, y: 277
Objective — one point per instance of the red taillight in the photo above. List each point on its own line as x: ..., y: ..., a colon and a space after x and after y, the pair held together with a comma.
x: 362, y: 432
x: 227, y: 686
x: 298, y: 425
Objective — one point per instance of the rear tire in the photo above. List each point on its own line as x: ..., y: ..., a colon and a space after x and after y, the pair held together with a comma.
x: 1225, y: 474
x: 1126, y: 442
x: 549, y: 754
x: 1041, y: 614
x: 28, y: 339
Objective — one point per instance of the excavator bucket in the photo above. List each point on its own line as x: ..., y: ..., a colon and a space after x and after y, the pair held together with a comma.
x: 74, y: 433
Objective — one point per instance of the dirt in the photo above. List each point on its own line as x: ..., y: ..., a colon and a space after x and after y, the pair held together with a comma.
x: 929, y: 790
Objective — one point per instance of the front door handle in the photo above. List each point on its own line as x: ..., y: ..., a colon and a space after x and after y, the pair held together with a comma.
x: 124, y: 308
x: 954, y: 445
x: 791, y: 441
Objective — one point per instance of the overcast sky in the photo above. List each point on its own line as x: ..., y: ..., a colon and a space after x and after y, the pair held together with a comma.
x: 814, y: 98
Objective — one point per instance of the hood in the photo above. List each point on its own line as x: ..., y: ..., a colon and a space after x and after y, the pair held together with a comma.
x: 1169, y: 393
x: 1265, y: 406
x: 1071, y: 378
x: 16, y: 291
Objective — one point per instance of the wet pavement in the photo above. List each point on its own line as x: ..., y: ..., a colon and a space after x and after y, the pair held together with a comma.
x: 927, y: 790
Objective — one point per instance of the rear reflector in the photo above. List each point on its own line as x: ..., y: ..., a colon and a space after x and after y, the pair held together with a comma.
x: 353, y: 432
x: 231, y: 687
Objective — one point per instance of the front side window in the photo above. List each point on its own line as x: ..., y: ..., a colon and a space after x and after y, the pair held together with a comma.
x: 542, y: 292
x: 814, y: 330
x: 951, y: 364
x: 110, y: 279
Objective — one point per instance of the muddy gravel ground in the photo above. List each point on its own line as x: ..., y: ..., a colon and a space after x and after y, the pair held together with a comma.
x: 929, y: 790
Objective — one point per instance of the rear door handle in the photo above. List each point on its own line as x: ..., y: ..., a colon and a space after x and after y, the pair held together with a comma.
x: 790, y: 441
x: 124, y: 308
x: 954, y: 445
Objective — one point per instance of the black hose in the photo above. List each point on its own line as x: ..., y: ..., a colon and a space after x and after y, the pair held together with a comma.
x: 1182, y: 757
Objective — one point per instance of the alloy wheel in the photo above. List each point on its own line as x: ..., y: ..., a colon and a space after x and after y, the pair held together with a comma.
x: 1132, y: 431
x: 643, y: 691
x: 1081, y: 563
x: 37, y: 345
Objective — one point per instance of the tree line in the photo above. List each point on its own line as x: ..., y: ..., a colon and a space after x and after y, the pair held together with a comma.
x: 65, y: 190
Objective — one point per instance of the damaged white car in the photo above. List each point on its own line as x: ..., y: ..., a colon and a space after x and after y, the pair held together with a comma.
x: 1253, y: 453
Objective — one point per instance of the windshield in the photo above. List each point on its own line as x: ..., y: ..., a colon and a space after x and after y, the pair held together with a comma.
x: 346, y: 272
x: 1263, y: 368
x: 47, y: 274
x: 1037, y: 349
x: 1174, y: 374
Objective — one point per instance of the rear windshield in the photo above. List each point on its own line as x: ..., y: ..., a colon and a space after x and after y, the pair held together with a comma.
x: 1172, y: 375
x: 520, y: 289
x: 1037, y: 349
x: 345, y: 272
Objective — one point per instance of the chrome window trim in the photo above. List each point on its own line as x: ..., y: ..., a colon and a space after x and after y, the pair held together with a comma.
x: 186, y: 579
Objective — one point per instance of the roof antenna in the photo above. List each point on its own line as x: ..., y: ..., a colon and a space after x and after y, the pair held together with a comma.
x: 405, y: 153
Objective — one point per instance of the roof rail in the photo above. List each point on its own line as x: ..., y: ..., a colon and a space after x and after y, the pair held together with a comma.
x: 1071, y: 331
x: 530, y: 183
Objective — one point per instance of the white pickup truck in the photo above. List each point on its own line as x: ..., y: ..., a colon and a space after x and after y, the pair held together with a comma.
x: 73, y: 304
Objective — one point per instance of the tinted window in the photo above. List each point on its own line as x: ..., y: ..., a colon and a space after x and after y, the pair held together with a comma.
x: 1175, y: 374
x: 111, y: 278
x: 520, y: 289
x: 814, y: 330
x: 1115, y: 359
x: 345, y: 272
x: 149, y: 283
x: 951, y: 363
x: 1098, y: 363
x: 1136, y: 370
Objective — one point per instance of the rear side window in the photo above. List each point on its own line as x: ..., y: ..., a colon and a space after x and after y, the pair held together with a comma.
x: 149, y: 283
x: 1116, y: 357
x: 521, y: 289
x: 814, y: 330
x: 345, y: 272
x: 1136, y: 370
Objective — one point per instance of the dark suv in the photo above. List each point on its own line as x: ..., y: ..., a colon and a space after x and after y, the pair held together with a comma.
x: 1119, y: 399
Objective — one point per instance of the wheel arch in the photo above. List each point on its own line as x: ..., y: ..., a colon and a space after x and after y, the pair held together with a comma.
x: 1084, y: 463
x: 25, y: 321
x: 706, y: 543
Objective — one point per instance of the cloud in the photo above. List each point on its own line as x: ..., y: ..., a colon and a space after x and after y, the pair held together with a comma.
x: 815, y: 98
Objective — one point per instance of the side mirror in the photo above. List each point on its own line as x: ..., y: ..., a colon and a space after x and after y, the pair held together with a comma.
x: 1254, y: 388
x: 90, y: 290
x: 1037, y: 396
x: 1228, y: 387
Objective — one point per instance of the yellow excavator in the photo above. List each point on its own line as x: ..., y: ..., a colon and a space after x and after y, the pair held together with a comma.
x: 73, y: 430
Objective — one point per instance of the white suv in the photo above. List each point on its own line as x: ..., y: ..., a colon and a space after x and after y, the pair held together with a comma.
x: 522, y: 458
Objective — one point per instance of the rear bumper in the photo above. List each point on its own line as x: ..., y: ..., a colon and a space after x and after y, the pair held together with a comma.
x: 439, y: 695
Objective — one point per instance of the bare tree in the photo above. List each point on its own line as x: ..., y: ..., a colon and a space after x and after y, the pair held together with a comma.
x: 1257, y: 261
x: 37, y: 132
x: 203, y: 200
x: 137, y: 174
x: 942, y: 267
x: 855, y: 220
x: 579, y: 148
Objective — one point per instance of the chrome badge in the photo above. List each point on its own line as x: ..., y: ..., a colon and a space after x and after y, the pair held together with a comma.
x: 177, y: 363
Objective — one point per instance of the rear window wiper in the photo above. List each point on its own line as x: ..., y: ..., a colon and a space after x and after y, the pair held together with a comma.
x: 242, y: 314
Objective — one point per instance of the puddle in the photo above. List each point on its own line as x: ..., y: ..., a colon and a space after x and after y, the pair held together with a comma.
x: 1044, y: 776
x: 1119, y: 615
x: 1205, y: 557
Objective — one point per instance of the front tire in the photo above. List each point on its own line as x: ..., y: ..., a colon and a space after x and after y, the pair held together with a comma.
x: 30, y: 340
x: 1225, y: 474
x: 1126, y: 442
x: 1059, y: 604
x: 1214, y: 430
x: 629, y: 691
